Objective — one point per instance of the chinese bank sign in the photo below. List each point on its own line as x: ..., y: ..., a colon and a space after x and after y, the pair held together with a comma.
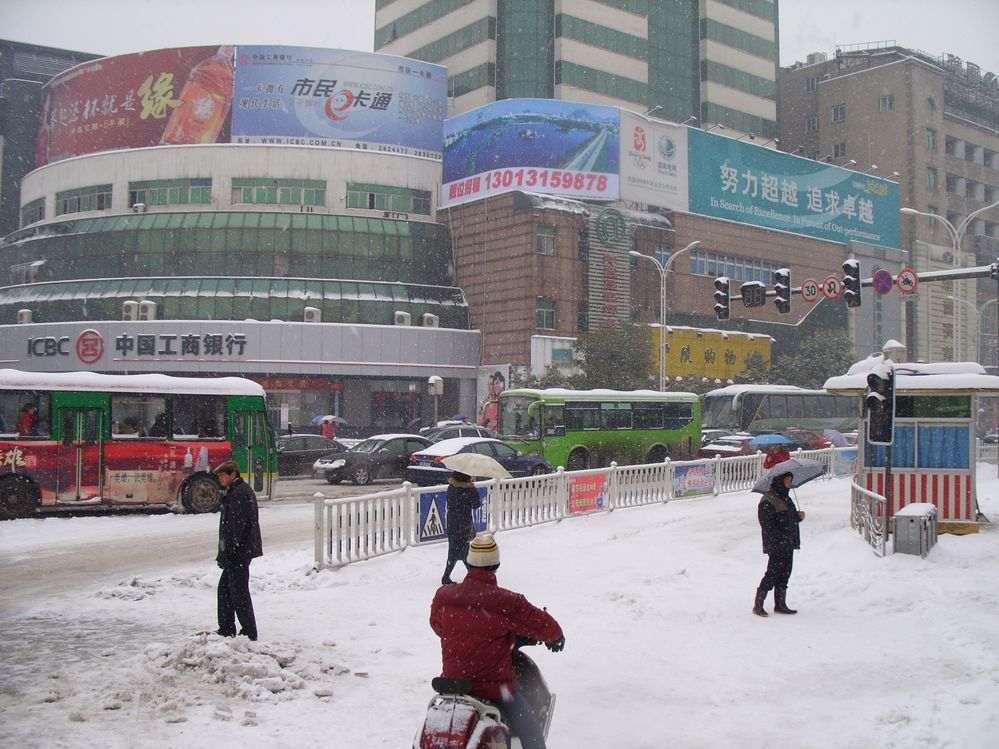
x: 268, y: 95
x: 595, y: 152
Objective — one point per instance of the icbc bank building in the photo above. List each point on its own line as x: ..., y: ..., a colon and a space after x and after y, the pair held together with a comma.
x: 266, y: 211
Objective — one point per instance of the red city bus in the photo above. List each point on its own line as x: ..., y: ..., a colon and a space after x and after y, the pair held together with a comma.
x: 89, y: 441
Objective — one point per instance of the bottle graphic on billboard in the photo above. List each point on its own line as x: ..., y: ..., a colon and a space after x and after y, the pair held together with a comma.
x: 205, y: 101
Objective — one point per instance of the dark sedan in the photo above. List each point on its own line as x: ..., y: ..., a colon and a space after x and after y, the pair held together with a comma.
x: 427, y: 469
x: 384, y: 456
x: 297, y: 452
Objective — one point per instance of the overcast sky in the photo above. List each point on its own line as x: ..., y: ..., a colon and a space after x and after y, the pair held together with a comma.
x: 966, y: 28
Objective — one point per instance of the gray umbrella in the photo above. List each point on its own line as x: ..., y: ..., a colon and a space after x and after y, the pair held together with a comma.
x: 802, y: 471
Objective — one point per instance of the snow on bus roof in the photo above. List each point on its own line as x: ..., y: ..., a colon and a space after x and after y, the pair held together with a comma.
x: 15, y: 379
x: 919, y: 376
x: 566, y: 394
x: 755, y: 388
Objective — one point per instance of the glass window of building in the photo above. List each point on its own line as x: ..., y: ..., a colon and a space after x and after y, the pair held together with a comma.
x: 33, y: 211
x: 196, y: 191
x: 546, y: 314
x: 546, y: 240
x: 94, y: 198
x: 887, y: 103
x: 931, y: 139
x: 931, y: 178
x: 839, y: 113
x: 812, y: 124
x: 839, y: 150
x: 279, y: 191
x: 388, y: 198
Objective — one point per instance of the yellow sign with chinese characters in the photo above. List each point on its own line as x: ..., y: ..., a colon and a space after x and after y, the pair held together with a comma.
x: 715, y: 354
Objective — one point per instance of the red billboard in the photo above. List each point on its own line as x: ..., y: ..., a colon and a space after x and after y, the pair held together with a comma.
x: 167, y: 96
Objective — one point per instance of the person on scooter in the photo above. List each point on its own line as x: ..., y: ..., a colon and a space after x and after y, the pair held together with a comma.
x: 478, y: 623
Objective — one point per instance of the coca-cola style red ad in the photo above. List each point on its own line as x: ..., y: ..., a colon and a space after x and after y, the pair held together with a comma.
x: 167, y: 96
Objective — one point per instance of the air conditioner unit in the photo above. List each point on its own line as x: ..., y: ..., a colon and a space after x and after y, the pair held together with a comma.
x: 313, y: 314
x: 130, y: 310
x: 138, y: 208
x: 147, y: 310
x: 402, y: 318
x: 23, y: 316
x: 431, y: 321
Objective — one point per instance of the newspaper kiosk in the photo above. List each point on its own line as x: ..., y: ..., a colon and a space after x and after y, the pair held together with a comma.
x: 933, y: 452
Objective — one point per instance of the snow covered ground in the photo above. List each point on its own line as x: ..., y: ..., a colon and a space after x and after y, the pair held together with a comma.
x: 661, y: 648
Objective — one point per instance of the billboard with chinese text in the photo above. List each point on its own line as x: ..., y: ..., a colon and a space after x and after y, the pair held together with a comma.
x: 339, y: 99
x: 534, y: 145
x: 165, y: 96
x: 653, y: 162
x: 739, y: 181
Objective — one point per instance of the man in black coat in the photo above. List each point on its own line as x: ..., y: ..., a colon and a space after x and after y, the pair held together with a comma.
x: 462, y: 499
x: 779, y: 520
x: 239, y: 542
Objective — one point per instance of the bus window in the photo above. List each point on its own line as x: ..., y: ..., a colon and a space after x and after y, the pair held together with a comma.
x: 615, y: 416
x: 554, y: 420
x: 581, y: 416
x: 795, y: 406
x: 778, y: 406
x: 134, y: 416
x: 24, y: 413
x: 678, y: 415
x: 648, y: 415
x: 199, y: 416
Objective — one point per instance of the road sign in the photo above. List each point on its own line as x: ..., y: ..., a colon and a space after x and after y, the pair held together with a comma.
x: 907, y: 281
x: 809, y: 290
x: 882, y: 282
x: 832, y: 287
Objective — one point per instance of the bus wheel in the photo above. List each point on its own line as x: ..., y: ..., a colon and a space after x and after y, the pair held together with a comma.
x: 18, y: 497
x: 657, y: 454
x: 361, y: 476
x: 201, y: 494
x: 579, y: 460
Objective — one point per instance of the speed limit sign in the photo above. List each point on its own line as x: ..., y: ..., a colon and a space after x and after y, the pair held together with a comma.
x: 809, y: 290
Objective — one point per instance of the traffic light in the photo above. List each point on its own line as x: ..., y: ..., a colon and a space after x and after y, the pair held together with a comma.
x: 881, y: 405
x: 782, y: 288
x: 851, y: 283
x: 721, y: 298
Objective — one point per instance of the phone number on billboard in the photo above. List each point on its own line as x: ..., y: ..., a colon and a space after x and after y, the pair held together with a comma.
x: 553, y: 178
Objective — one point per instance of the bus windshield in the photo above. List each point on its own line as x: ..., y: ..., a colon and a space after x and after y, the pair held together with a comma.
x: 514, y: 420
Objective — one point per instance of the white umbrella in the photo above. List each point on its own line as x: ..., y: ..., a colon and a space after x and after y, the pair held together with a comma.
x: 476, y: 464
x: 802, y: 470
x: 329, y: 417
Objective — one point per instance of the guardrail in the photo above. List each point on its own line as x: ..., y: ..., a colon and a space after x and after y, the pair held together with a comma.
x: 357, y: 528
x: 869, y: 517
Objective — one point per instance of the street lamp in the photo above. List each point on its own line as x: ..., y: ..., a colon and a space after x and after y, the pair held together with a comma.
x: 956, y: 234
x: 663, y: 269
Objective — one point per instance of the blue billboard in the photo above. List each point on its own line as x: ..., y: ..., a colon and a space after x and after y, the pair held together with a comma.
x: 535, y: 145
x: 338, y: 99
x: 742, y: 182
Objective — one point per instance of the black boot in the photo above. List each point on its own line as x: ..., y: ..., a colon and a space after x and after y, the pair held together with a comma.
x: 780, y: 607
x: 761, y: 596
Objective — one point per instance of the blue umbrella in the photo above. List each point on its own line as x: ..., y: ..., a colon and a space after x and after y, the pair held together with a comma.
x: 769, y: 439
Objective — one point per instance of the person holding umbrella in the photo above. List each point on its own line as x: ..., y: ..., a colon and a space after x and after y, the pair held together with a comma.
x: 462, y: 499
x: 779, y: 519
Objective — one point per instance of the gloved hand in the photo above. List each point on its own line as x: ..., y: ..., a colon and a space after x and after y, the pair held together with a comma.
x: 556, y: 645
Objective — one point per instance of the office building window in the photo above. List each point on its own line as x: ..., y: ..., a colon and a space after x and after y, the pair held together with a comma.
x: 546, y: 314
x: 887, y: 103
x: 931, y: 222
x: 170, y: 192
x: 931, y: 178
x: 839, y: 113
x: 839, y: 150
x: 546, y: 240
x: 33, y: 211
x: 811, y: 83
x: 96, y: 198
x: 812, y: 124
x: 387, y: 198
x: 279, y: 191
x: 931, y: 139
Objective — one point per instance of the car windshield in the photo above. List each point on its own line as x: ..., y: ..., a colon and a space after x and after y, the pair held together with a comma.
x: 368, y: 446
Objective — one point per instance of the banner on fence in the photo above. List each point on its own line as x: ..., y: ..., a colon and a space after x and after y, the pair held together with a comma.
x: 587, y: 494
x: 689, y: 481
x: 433, y: 515
x: 845, y: 462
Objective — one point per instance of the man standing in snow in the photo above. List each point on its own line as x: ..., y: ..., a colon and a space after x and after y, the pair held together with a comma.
x: 239, y: 542
x: 478, y: 622
x: 462, y: 500
x: 779, y: 520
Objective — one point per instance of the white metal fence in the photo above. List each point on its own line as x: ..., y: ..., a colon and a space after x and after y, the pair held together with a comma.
x: 869, y: 517
x: 357, y: 528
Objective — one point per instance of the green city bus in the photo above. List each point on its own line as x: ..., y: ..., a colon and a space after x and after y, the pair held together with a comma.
x: 591, y: 428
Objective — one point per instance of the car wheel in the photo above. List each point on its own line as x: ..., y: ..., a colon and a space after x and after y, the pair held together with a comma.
x: 579, y: 460
x: 539, y: 471
x: 18, y: 497
x: 361, y: 476
x: 333, y: 478
x: 201, y: 494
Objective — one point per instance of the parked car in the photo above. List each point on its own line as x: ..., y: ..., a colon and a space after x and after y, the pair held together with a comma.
x: 383, y: 456
x: 297, y: 452
x: 727, y: 447
x: 806, y: 439
x: 438, y: 434
x: 426, y: 467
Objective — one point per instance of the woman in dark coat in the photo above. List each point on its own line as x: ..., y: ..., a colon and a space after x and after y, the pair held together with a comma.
x: 462, y: 499
x: 779, y: 520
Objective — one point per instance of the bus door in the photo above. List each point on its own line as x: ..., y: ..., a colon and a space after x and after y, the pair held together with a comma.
x: 80, y: 470
x: 252, y: 447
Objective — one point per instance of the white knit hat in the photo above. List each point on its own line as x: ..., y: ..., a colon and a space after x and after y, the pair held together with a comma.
x: 483, y: 551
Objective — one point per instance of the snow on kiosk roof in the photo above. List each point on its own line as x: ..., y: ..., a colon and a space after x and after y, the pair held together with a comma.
x: 916, y: 377
x: 15, y: 379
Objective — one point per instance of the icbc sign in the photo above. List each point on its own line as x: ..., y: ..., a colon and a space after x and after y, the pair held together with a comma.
x: 89, y: 346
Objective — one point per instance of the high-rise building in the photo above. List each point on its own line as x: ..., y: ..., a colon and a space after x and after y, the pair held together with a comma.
x: 932, y: 124
x: 714, y: 61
